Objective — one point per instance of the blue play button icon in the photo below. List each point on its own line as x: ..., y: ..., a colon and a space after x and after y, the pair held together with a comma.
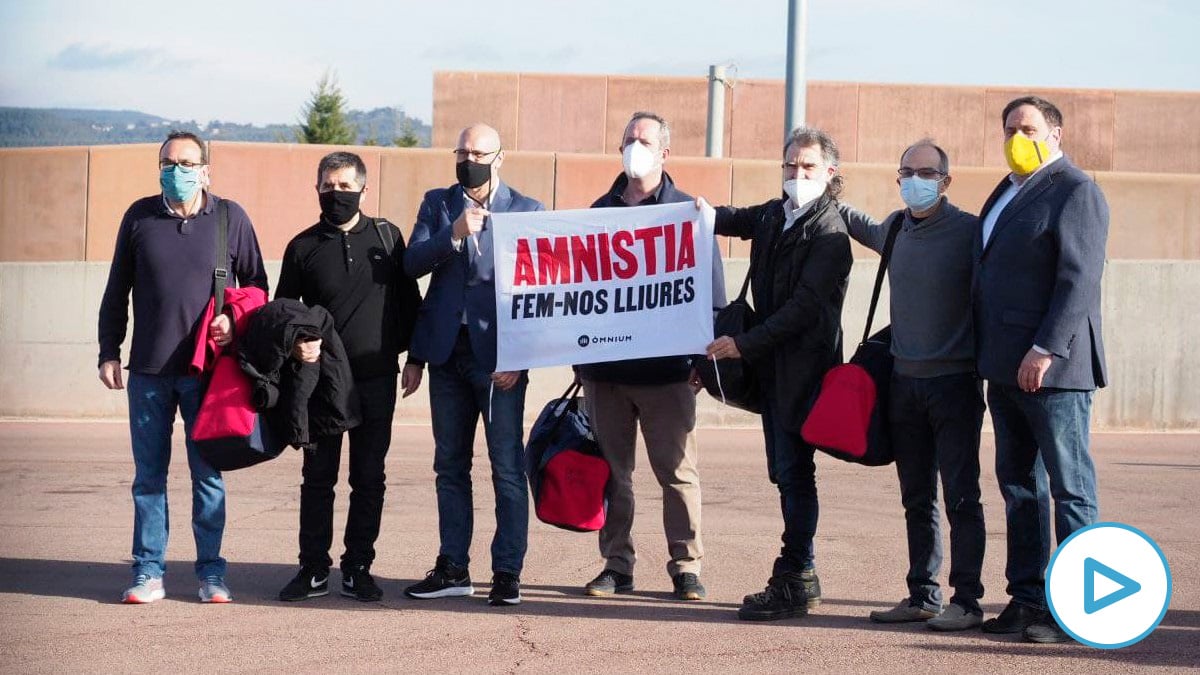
x: 1092, y: 604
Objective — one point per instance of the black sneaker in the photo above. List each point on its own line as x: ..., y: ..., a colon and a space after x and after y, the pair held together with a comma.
x: 506, y: 590
x: 783, y: 598
x: 311, y: 582
x: 445, y: 580
x: 609, y: 582
x: 358, y: 583
x: 688, y: 586
x: 812, y: 587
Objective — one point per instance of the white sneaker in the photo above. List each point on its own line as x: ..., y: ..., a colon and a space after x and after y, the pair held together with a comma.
x: 213, y: 589
x: 954, y: 618
x: 145, y: 589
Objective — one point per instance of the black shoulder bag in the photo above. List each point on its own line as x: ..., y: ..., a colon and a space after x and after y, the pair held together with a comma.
x: 731, y: 381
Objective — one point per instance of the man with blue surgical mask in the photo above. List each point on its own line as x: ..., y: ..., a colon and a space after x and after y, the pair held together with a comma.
x: 936, y: 399
x: 165, y: 255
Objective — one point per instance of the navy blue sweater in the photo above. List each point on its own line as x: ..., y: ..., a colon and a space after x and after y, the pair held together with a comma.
x: 650, y: 371
x: 167, y: 262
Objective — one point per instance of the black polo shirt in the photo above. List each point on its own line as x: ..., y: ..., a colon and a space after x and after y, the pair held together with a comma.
x: 373, y: 302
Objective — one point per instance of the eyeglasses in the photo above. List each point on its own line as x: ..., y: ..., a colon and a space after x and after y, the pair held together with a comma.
x: 926, y: 174
x: 475, y: 155
x: 187, y: 164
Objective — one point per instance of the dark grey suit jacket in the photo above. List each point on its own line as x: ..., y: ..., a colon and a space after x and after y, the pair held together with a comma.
x: 1037, y: 280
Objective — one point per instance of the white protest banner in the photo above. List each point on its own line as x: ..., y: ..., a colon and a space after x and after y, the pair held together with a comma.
x: 593, y: 285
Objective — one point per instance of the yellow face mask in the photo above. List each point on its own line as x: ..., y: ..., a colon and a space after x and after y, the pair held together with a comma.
x: 1025, y: 155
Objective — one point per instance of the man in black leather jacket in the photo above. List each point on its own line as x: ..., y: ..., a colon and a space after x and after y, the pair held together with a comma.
x: 799, y: 265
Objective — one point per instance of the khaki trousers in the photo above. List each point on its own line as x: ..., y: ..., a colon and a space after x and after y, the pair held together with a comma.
x: 667, y: 416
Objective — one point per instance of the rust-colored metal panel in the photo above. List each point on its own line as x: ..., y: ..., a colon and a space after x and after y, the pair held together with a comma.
x: 871, y: 188
x: 464, y: 98
x: 562, y: 113
x: 580, y: 180
x: 1152, y: 216
x: 531, y: 174
x: 43, y: 204
x: 406, y: 174
x: 971, y: 186
x: 276, y: 184
x: 1087, y: 124
x: 118, y: 175
x: 682, y: 101
x: 891, y: 117
x: 704, y: 177
x: 757, y: 119
x: 833, y: 107
x: 754, y: 181
x: 1157, y: 132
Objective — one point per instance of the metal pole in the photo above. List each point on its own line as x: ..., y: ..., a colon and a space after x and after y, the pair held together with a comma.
x: 714, y: 142
x: 797, y: 84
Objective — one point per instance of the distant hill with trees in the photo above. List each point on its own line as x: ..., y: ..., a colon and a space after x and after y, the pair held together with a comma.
x: 22, y: 127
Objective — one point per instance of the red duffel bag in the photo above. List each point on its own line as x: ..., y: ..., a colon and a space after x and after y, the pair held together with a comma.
x: 228, y: 431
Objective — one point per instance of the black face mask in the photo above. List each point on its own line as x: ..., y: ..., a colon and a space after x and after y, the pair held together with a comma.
x: 472, y: 174
x: 338, y: 206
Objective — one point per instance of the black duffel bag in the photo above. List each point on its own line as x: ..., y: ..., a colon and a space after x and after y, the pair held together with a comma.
x: 731, y: 381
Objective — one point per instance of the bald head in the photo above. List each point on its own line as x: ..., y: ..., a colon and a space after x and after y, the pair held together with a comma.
x: 481, y: 137
x: 478, y: 144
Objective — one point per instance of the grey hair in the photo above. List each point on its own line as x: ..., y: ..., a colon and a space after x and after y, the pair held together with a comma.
x: 664, y: 129
x: 341, y: 160
x: 943, y: 158
x: 808, y: 136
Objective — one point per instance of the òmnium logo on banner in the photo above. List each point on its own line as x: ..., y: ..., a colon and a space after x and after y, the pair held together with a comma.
x: 595, y: 285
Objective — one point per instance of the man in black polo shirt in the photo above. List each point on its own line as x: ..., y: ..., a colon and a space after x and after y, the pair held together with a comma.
x: 352, y: 265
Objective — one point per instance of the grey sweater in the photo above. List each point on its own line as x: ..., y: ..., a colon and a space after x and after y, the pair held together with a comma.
x: 930, y: 280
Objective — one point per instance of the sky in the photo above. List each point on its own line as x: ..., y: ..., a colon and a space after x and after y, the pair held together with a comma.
x: 257, y: 62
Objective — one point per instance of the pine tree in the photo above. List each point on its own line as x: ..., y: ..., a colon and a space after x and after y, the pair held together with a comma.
x: 325, y: 116
x: 407, y: 138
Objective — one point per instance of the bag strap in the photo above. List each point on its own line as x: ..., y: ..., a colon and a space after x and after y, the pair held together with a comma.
x: 893, y: 228
x: 385, y: 235
x: 745, y: 284
x: 220, y: 271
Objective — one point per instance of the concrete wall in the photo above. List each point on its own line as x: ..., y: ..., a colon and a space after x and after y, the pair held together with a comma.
x: 49, y: 359
x: 66, y: 203
x: 60, y: 208
x: 1105, y: 130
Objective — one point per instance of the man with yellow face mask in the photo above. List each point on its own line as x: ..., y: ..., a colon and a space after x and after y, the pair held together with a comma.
x: 1038, y: 263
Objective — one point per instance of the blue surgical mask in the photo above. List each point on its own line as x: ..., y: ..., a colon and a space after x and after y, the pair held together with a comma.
x: 179, y: 184
x: 919, y: 193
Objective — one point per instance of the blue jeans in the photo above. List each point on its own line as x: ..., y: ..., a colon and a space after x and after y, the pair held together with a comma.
x: 152, y: 403
x: 459, y: 392
x: 1048, y: 428
x: 935, y: 426
x: 791, y: 467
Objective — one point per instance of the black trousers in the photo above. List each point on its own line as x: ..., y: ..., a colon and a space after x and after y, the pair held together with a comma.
x: 368, y: 448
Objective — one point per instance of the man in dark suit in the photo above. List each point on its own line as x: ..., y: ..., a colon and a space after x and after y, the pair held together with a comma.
x: 1040, y: 256
x: 456, y: 335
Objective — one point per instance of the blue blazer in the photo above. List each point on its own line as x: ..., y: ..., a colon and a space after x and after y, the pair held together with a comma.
x: 462, y: 282
x: 1037, y: 280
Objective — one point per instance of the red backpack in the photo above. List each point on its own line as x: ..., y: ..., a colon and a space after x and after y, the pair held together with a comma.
x: 849, y: 419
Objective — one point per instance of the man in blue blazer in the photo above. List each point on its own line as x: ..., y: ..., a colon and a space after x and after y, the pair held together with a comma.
x: 1039, y: 259
x: 456, y: 335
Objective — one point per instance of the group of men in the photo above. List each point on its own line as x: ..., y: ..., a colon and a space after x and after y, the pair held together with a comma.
x: 1011, y: 297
